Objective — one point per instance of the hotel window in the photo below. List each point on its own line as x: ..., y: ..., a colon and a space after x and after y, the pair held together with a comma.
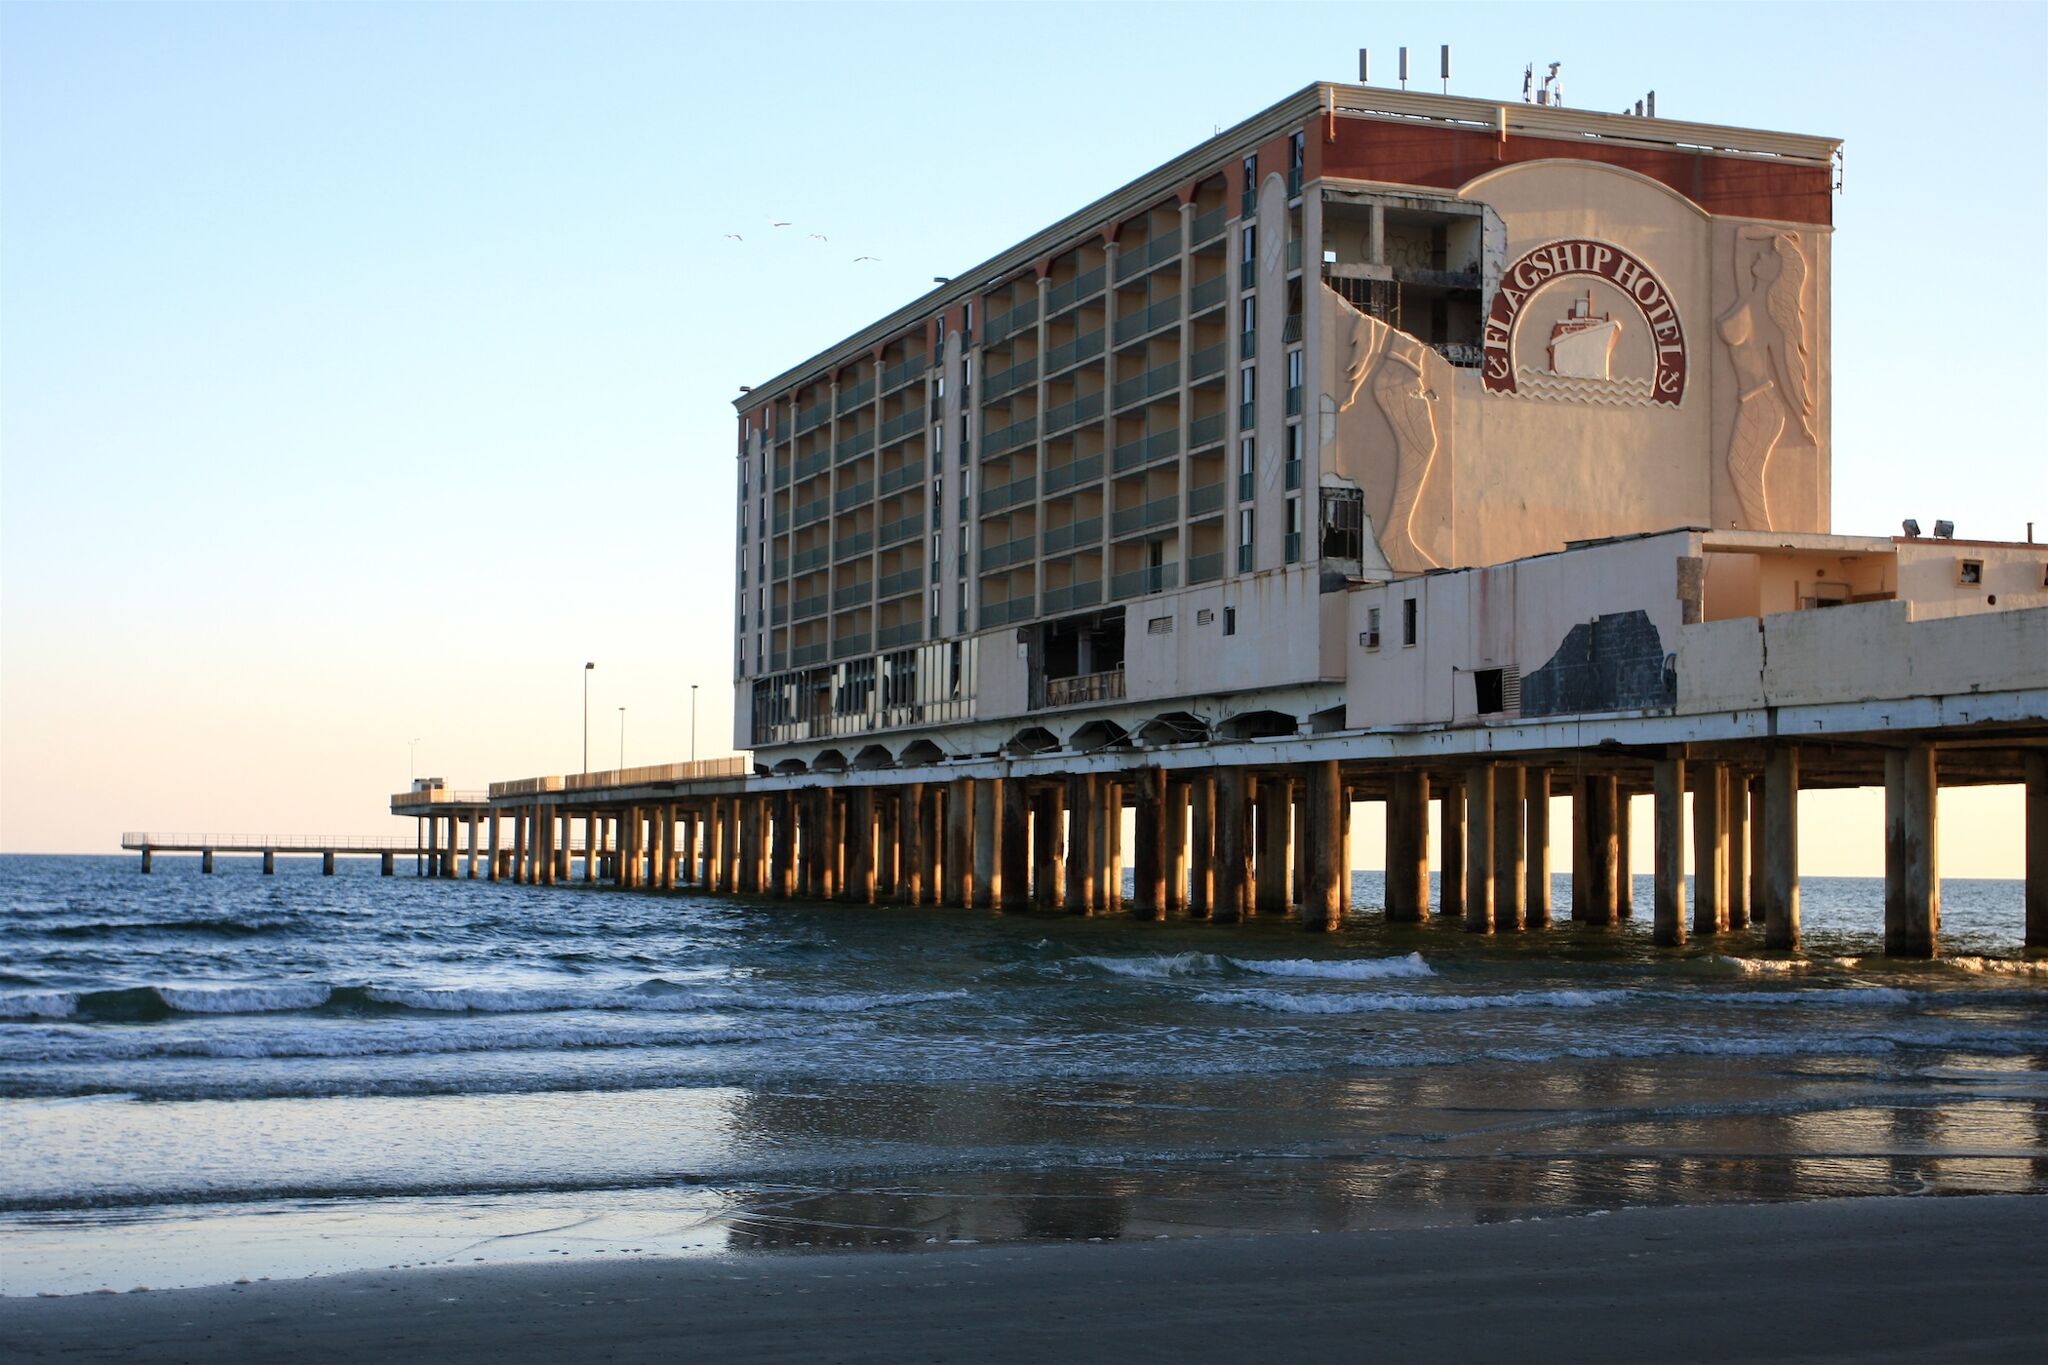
x: 1293, y: 546
x: 1410, y: 612
x: 1294, y: 457
x: 1297, y: 151
x: 1246, y: 452
x: 1248, y: 259
x: 1244, y: 541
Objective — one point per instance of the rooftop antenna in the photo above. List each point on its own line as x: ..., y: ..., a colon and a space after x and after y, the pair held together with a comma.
x: 1554, y: 85
x: 1653, y: 104
x: 1447, y: 68
x: 1364, y: 68
x: 1529, y: 83
x: 1404, y: 68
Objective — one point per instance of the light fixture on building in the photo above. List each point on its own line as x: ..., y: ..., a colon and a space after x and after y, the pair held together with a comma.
x: 1911, y: 526
x: 1944, y: 530
x: 942, y: 279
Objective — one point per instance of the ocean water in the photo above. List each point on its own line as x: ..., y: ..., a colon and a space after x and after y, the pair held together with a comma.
x: 208, y: 1078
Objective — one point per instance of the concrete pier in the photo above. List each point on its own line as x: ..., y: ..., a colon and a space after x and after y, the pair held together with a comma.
x: 2037, y: 849
x: 1709, y: 848
x: 1274, y: 813
x: 1233, y: 848
x: 1201, y: 845
x: 1536, y: 851
x: 1322, y: 904
x: 1781, y: 847
x: 1912, y: 881
x: 1407, y: 843
x: 1479, y: 784
x: 1668, y: 896
x: 1509, y: 871
x: 1450, y: 851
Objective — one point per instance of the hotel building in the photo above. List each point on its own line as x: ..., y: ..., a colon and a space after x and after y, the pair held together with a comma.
x: 1112, y: 485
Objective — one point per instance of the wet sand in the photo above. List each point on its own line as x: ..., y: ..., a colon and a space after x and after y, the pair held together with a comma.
x: 1871, y: 1279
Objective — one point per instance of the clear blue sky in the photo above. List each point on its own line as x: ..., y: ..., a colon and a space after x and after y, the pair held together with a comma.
x: 364, y: 369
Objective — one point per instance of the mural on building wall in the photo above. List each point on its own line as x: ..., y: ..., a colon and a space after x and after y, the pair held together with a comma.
x: 1612, y: 663
x: 1766, y: 332
x: 1594, y: 350
x: 1409, y: 383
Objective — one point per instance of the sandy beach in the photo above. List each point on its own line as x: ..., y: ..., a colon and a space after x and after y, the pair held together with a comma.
x: 1868, y: 1280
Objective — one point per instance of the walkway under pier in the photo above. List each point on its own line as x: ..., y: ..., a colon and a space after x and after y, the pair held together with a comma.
x: 1235, y: 830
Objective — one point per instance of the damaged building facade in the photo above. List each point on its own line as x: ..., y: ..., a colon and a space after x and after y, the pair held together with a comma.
x: 1118, y: 484
x: 1388, y: 448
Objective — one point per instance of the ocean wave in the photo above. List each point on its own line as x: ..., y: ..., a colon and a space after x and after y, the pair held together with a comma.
x: 343, y: 1042
x: 217, y: 927
x: 1163, y: 966
x: 1158, y: 966
x: 1995, y: 966
x: 1356, y: 969
x: 38, y: 1005
x: 1288, y: 1002
x: 150, y: 1004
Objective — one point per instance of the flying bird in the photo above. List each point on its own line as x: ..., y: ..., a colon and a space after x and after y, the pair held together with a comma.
x: 819, y: 237
x: 734, y: 236
x: 778, y: 225
x: 858, y: 259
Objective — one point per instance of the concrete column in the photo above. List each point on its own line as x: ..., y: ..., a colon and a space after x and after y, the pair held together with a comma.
x: 960, y: 842
x: 1450, y: 851
x: 1510, y: 870
x: 1298, y: 845
x: 1756, y: 849
x: 2037, y: 848
x: 859, y: 839
x: 1407, y: 812
x: 493, y: 871
x: 782, y: 853
x: 1148, y: 887
x: 327, y: 862
x: 910, y: 856
x: 831, y: 843
x: 519, y: 835
x: 470, y: 872
x: 1624, y: 873
x: 269, y: 862
x: 888, y: 843
x: 1083, y: 830
x: 1597, y: 904
x: 384, y: 862
x: 1275, y: 808
x: 1344, y: 804
x: 1322, y: 908
x: 206, y: 861
x: 1479, y: 780
x: 1781, y: 847
x: 932, y: 824
x: 1048, y: 841
x: 1233, y: 879
x: 433, y: 847
x: 1014, y: 857
x: 1176, y: 847
x: 1668, y: 899
x: 1738, y: 849
x: 1109, y: 845
x: 1536, y: 851
x: 666, y: 873
x: 1709, y: 848
x: 752, y: 817
x: 451, y: 853
x: 1912, y: 917
x: 147, y: 861
x: 1201, y: 845
x: 733, y: 853
x: 987, y: 887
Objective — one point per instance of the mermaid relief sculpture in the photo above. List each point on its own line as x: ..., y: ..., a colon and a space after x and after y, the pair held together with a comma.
x: 1392, y: 362
x: 1766, y: 336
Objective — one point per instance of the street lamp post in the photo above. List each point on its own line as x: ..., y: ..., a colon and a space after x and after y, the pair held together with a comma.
x: 586, y: 715
x: 693, y: 722
x: 622, y: 739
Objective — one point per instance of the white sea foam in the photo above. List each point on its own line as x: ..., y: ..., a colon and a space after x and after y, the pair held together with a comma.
x: 39, y: 1005
x: 1996, y: 966
x: 1158, y: 966
x: 1288, y: 1002
x: 1356, y: 969
x: 293, y: 995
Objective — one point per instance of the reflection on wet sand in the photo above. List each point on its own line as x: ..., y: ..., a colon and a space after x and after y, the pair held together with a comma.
x: 1388, y: 1151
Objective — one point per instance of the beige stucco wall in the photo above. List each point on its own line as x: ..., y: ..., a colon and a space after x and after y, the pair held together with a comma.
x: 1521, y: 474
